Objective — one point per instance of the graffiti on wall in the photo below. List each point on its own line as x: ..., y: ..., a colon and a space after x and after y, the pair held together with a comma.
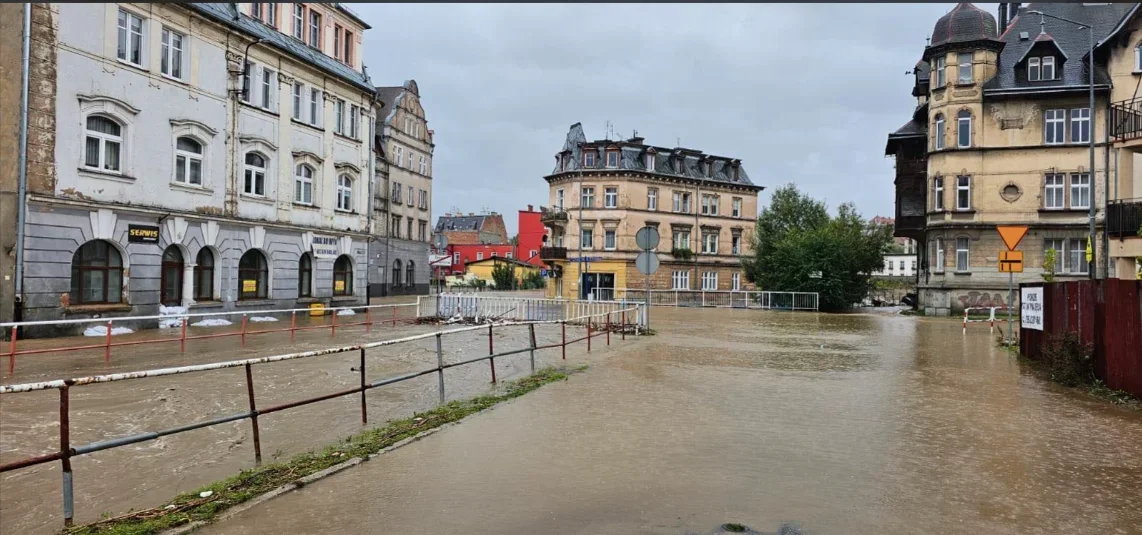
x: 981, y: 299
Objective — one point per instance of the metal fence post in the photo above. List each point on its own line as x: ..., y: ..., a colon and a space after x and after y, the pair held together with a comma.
x: 608, y: 328
x: 624, y: 324
x: 107, y: 349
x: 368, y: 319
x: 364, y: 413
x: 12, y: 350
x: 394, y: 316
x: 333, y: 328
x: 588, y: 335
x: 182, y: 341
x: 440, y: 367
x: 244, y: 330
x: 531, y: 353
x: 65, y: 459
x: 292, y: 324
x: 253, y: 416
x: 563, y: 326
x: 491, y: 351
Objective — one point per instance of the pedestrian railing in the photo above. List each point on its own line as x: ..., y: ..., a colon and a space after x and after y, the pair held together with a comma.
x: 474, y: 307
x: 339, y: 318
x: 712, y: 298
x: 596, y: 325
x: 990, y: 319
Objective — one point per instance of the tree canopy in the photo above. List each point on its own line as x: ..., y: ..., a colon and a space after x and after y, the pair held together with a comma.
x: 796, y: 236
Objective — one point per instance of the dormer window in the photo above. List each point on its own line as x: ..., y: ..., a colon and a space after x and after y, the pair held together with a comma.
x: 589, y: 159
x: 559, y: 162
x: 612, y: 159
x: 650, y: 162
x: 1041, y: 68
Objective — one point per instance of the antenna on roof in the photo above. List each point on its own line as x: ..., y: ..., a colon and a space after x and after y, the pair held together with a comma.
x: 927, y: 41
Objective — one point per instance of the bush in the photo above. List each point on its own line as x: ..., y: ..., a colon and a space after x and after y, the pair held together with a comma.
x: 533, y: 281
x: 1068, y: 360
x: 504, y: 276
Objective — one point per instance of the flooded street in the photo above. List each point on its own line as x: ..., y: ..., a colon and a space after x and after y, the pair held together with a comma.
x: 837, y: 424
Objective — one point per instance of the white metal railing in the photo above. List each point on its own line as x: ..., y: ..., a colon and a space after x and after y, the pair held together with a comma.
x: 711, y: 298
x: 478, y: 307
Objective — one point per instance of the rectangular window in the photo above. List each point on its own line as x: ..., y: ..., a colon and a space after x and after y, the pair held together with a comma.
x: 710, y: 280
x: 315, y: 29
x: 736, y: 207
x: 609, y: 241
x: 423, y: 200
x: 422, y: 230
x: 610, y: 197
x: 682, y: 239
x: 1053, y: 192
x: 612, y: 159
x: 455, y: 259
x: 962, y: 254
x: 479, y: 256
x: 736, y: 244
x: 709, y: 204
x: 298, y: 91
x: 423, y: 165
x: 1053, y: 126
x: 680, y: 280
x: 685, y: 203
x: 559, y: 198
x: 1080, y: 125
x: 965, y: 67
x: 586, y: 238
x: 963, y: 193
x: 337, y: 41
x: 651, y: 162
x: 938, y: 265
x: 652, y: 199
x: 709, y: 243
x: 938, y: 194
x: 588, y: 159
x: 268, y: 83
x: 396, y: 192
x: 172, y: 53
x: 348, y: 50
x: 941, y: 63
x: 314, y: 107
x: 130, y: 38
x: 409, y: 228
x: 353, y: 110
x: 963, y: 129
x: 1049, y: 68
x: 1034, y: 71
x: 940, y: 132
x: 411, y: 200
x: 1080, y: 190
x: 587, y: 197
x: 299, y: 22
x: 1060, y: 253
x: 398, y: 152
x: 338, y: 116
x: 396, y: 226
x: 736, y: 281
x: 1077, y: 256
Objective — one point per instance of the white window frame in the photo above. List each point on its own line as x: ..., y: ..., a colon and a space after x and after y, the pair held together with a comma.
x: 682, y: 239
x: 588, y: 159
x: 345, y: 194
x: 652, y: 199
x: 938, y: 194
x: 398, y: 153
x: 559, y: 197
x: 1054, y: 127
x: 1138, y: 58
x: 338, y: 116
x: 736, y: 282
x: 105, y: 140
x: 315, y: 29
x: 353, y: 111
x: 587, y: 196
x: 940, y: 260
x: 479, y: 255
x: 315, y: 107
x: 188, y: 158
x: 253, y: 175
x: 1080, y: 187
x: 298, y: 96
x: 680, y: 280
x: 267, y: 94
x: 651, y: 162
x: 963, y: 254
x: 587, y: 237
x: 610, y: 197
x: 709, y: 281
x: 963, y: 184
x: 299, y: 22
x: 709, y: 242
x: 1076, y: 256
x: 411, y: 199
x: 455, y: 259
x: 1034, y: 70
x: 961, y: 128
x: 1080, y: 124
x: 173, y: 55
x: 941, y: 132
x: 610, y: 239
x: 736, y: 207
x: 941, y: 74
x: 612, y: 159
x: 424, y: 165
x: 1054, y: 191
x: 131, y: 42
x: 1060, y: 252
x: 960, y: 60
x: 303, y: 185
x: 736, y: 244
x: 1048, y: 61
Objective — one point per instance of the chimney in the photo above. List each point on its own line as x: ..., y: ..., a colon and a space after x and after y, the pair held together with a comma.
x: 1013, y: 8
x: 1002, y: 17
x: 530, y: 208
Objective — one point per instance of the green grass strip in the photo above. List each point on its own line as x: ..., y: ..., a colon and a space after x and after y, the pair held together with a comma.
x: 248, y: 484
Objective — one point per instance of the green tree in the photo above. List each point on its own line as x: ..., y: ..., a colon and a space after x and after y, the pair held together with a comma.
x: 1049, y: 259
x: 795, y: 236
x: 503, y: 274
x: 533, y: 281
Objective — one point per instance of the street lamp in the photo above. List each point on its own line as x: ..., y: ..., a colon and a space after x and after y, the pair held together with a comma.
x: 1090, y: 67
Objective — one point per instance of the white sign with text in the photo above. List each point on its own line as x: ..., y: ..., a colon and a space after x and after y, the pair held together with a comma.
x: 1031, y: 308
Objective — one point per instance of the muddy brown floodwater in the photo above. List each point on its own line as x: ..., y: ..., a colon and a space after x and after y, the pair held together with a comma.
x: 838, y: 424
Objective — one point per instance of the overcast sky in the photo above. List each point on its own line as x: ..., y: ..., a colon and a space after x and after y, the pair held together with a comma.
x: 802, y: 93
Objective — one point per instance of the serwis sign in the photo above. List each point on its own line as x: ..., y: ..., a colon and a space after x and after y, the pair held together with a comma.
x: 1031, y: 305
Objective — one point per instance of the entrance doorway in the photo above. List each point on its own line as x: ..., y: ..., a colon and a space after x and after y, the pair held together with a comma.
x: 597, y: 286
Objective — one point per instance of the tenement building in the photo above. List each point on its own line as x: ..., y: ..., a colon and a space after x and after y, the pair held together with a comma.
x: 1001, y: 135
x: 405, y: 149
x: 602, y: 192
x: 216, y: 156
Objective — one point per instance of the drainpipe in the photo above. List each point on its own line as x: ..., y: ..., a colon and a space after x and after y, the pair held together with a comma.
x: 1105, y: 191
x: 23, y: 163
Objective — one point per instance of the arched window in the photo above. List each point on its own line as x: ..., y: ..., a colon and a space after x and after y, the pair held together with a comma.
x: 345, y: 193
x: 104, y: 144
x: 939, y: 131
x: 188, y: 161
x: 343, y: 276
x: 303, y: 184
x: 305, y: 276
x: 171, y: 277
x: 963, y: 128
x: 396, y: 273
x: 253, y: 276
x: 97, y: 274
x: 410, y: 274
x: 255, y: 172
x: 204, y: 275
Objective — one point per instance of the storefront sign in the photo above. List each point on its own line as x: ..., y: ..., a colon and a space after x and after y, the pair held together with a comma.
x: 142, y: 234
x: 1031, y: 313
x: 324, y: 246
x: 249, y: 286
x: 339, y: 286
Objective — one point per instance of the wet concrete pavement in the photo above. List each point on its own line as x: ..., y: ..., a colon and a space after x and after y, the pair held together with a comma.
x: 840, y: 424
x: 146, y: 474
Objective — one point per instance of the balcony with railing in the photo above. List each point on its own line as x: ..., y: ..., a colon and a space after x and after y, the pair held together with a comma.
x: 552, y: 253
x: 1126, y: 119
x: 1124, y: 217
x: 553, y: 216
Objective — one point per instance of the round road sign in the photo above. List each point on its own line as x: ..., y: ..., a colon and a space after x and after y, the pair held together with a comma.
x: 646, y: 239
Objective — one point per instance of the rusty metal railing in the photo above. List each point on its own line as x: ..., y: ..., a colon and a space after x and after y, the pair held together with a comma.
x: 373, y: 315
x: 67, y: 451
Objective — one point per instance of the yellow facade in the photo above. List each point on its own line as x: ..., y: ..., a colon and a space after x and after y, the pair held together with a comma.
x: 482, y: 269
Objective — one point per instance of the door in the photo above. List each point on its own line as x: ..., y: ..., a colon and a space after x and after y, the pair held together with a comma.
x: 605, y: 291
x: 587, y: 288
x: 171, y: 282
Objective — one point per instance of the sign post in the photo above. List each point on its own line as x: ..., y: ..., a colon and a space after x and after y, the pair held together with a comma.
x: 647, y: 261
x: 1011, y: 261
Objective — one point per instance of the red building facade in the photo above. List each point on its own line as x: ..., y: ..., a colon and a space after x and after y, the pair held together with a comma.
x: 531, y: 233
